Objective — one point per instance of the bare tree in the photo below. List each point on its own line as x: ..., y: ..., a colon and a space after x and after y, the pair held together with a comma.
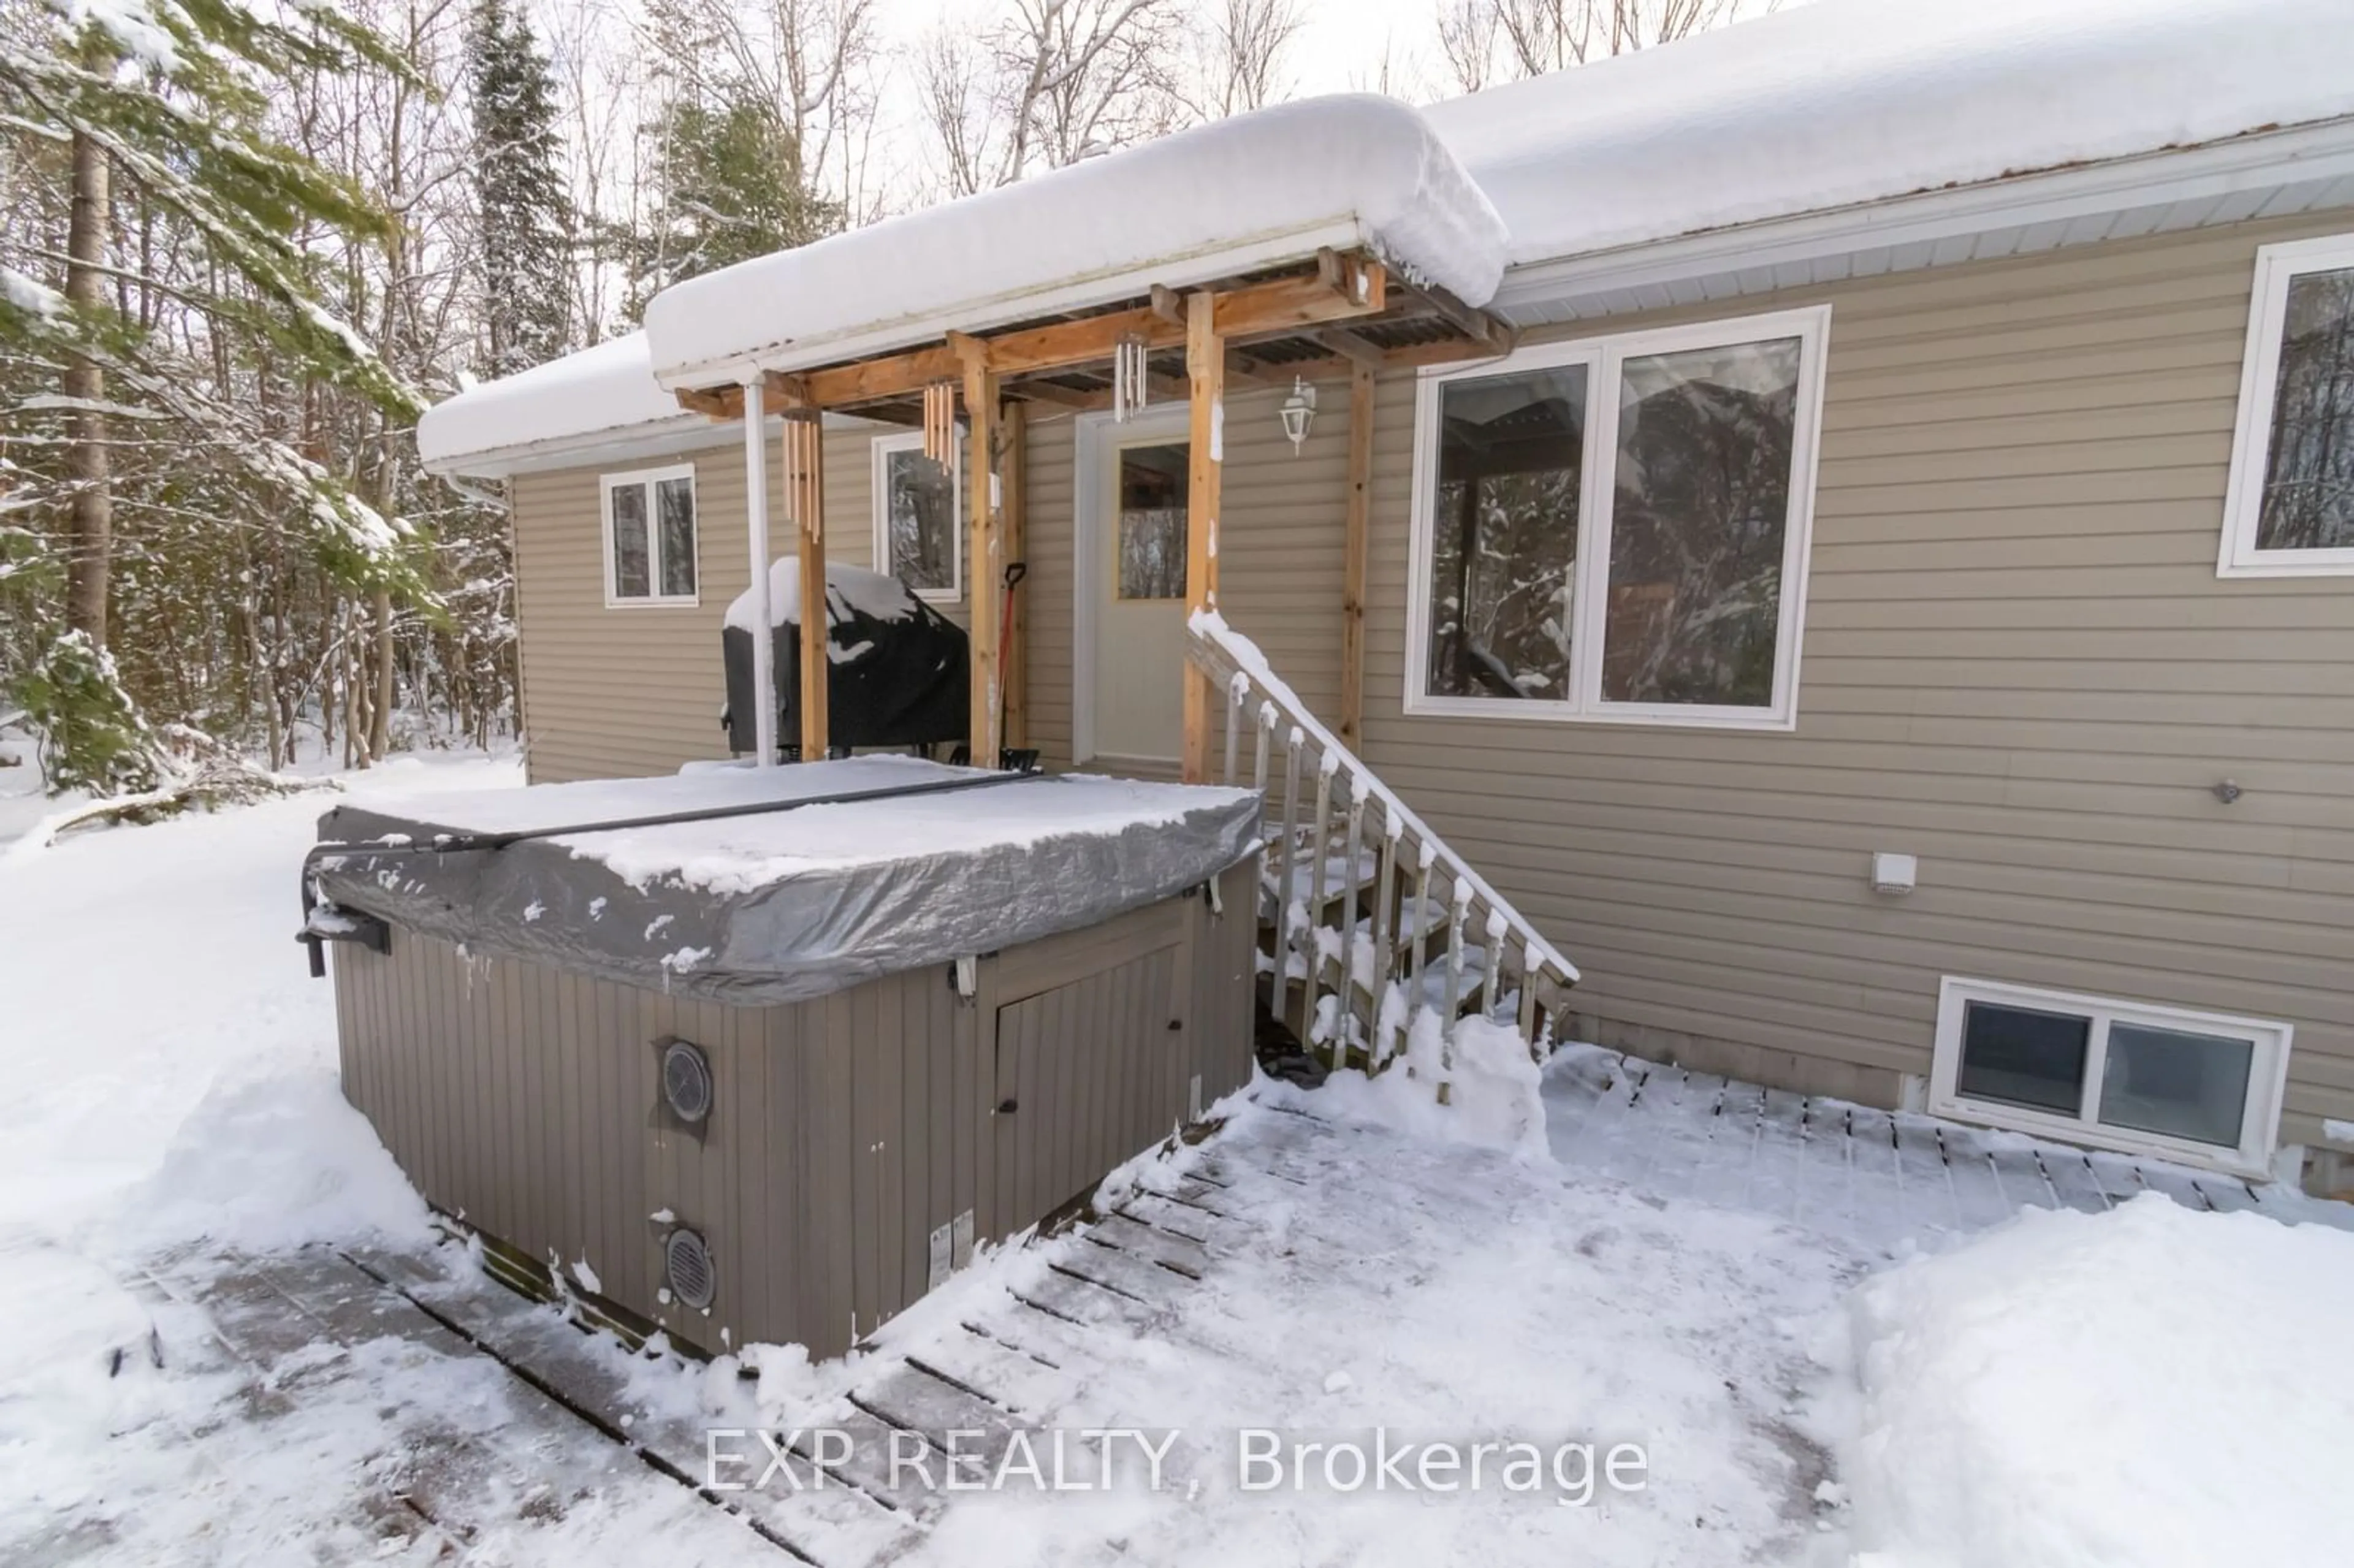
x: 1467, y: 42
x: 1243, y: 42
x: 815, y: 63
x: 1050, y: 82
x: 1489, y: 40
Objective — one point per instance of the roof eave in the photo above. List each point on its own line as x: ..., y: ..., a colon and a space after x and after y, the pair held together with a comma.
x: 2320, y: 150
x: 1227, y: 261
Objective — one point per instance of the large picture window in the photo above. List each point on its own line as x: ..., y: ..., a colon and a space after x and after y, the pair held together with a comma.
x: 918, y: 517
x: 650, y: 537
x: 2289, y: 507
x: 1617, y: 530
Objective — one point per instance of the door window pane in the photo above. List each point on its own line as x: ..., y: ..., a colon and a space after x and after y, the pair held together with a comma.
x: 1702, y: 506
x: 2308, y: 499
x: 674, y: 501
x: 920, y: 520
x: 632, y: 575
x: 2019, y: 1056
x: 1152, y: 489
x: 1504, y: 535
x: 2179, y: 1083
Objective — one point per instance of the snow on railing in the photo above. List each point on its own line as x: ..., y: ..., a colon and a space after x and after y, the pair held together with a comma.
x: 1352, y: 923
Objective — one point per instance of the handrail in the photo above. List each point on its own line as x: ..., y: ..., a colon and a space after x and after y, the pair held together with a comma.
x: 1375, y: 964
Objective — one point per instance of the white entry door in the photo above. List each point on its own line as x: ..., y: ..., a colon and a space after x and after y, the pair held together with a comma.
x: 1137, y: 564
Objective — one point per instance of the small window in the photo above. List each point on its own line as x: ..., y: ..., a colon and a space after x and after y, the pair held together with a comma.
x: 1617, y: 530
x: 2197, y: 1087
x: 2289, y: 507
x: 919, y: 517
x: 1152, y: 509
x: 650, y: 537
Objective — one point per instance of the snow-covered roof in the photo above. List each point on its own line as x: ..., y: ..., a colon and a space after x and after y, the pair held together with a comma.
x: 1849, y: 101
x: 1252, y: 192
x: 578, y: 398
x: 1836, y: 111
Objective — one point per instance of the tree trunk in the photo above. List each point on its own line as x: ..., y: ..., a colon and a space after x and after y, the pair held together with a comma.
x: 380, y: 712
x: 86, y: 453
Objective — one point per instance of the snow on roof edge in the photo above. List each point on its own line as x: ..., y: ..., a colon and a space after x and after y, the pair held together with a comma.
x: 1024, y: 303
x: 1858, y: 103
x: 1237, y: 190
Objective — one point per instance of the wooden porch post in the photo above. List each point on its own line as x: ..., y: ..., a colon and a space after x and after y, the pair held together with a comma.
x: 1353, y: 574
x: 1013, y: 525
x: 805, y: 482
x: 1206, y: 368
x: 984, y: 552
x: 755, y: 518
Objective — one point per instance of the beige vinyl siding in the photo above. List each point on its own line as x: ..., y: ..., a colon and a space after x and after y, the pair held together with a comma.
x: 2019, y: 664
x: 1046, y: 592
x: 614, y: 692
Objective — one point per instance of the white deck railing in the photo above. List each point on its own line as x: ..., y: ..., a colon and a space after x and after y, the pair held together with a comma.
x: 1355, y: 887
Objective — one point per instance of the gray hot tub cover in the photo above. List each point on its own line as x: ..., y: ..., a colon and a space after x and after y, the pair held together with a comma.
x: 782, y: 906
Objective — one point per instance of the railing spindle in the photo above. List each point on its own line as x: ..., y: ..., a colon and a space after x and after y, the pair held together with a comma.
x: 1350, y: 885
x: 1319, y: 850
x: 1385, y: 946
x: 1236, y: 690
x: 1287, y: 872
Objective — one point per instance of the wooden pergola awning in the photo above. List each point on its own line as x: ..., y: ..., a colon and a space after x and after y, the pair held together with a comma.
x: 1335, y: 313
x: 1318, y: 319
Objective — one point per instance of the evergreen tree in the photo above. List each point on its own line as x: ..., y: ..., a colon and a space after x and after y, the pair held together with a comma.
x: 525, y: 219
x: 726, y: 172
x: 146, y: 117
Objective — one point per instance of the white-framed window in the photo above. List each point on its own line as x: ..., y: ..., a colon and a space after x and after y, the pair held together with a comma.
x: 2201, y: 1088
x: 918, y: 517
x: 2288, y: 510
x: 1616, y: 530
x: 650, y: 537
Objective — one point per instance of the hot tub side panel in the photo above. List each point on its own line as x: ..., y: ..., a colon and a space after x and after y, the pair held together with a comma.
x: 845, y: 1133
x: 1226, y: 984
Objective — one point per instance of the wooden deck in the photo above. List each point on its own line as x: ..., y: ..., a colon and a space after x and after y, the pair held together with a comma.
x: 1872, y: 1176
x: 560, y: 1431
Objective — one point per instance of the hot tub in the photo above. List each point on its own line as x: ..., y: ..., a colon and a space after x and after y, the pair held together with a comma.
x: 765, y: 1053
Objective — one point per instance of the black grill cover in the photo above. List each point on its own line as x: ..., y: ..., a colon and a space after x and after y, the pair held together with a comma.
x: 900, y: 675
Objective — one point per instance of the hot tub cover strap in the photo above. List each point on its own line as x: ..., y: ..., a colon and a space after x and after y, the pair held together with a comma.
x: 767, y: 908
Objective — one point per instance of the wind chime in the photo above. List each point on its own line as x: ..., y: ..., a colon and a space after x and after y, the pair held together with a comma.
x: 940, y: 423
x: 1131, y: 382
x: 804, y: 472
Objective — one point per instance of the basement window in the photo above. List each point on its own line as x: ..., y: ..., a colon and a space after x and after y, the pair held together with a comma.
x: 2289, y: 506
x: 2200, y: 1088
x: 650, y: 537
x: 1617, y: 530
x: 918, y: 532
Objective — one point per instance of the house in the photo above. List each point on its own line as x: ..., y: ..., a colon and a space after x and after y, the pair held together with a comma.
x: 1843, y: 522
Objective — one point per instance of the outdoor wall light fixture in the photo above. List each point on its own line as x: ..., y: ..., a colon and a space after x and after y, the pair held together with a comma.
x: 1298, y: 412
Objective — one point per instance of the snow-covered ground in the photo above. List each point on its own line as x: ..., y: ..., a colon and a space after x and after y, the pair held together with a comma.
x: 2140, y: 1386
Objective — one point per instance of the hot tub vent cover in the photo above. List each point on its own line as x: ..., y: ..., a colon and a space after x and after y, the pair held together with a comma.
x: 687, y: 1263
x: 686, y: 1081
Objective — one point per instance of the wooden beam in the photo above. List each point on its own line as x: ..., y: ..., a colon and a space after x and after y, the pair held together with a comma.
x: 1168, y: 305
x: 1241, y: 367
x: 805, y: 496
x: 1353, y: 346
x: 1301, y: 302
x: 1059, y: 396
x: 1013, y: 467
x: 1352, y: 570
x: 1276, y: 306
x: 1477, y: 325
x: 1205, y: 367
x: 984, y: 552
